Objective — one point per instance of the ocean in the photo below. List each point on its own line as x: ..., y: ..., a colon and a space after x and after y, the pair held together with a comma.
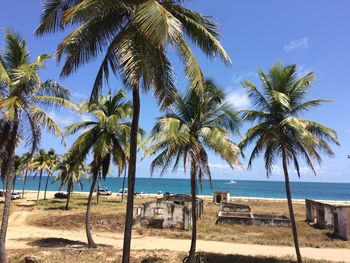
x: 265, y: 189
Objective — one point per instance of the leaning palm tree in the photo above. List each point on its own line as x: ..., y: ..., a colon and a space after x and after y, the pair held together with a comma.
x: 17, y: 170
x: 22, y: 96
x: 133, y: 37
x: 193, y: 125
x: 70, y: 172
x: 280, y: 131
x: 26, y: 159
x: 103, y: 137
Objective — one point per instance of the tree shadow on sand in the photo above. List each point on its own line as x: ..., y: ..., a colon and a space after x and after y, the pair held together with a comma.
x: 56, y: 242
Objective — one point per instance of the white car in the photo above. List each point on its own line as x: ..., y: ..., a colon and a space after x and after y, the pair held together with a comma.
x: 15, y: 195
x: 104, y: 191
x: 122, y: 192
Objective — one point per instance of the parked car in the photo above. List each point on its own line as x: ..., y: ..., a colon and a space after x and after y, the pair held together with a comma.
x: 140, y: 194
x: 121, y: 191
x: 61, y: 195
x: 104, y: 191
x: 15, y: 195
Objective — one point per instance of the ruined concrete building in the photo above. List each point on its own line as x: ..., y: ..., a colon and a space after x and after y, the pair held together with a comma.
x: 170, y: 211
x: 231, y: 213
x: 325, y: 215
x: 219, y: 197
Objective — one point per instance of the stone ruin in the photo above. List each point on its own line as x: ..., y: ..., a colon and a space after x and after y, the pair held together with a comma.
x: 170, y: 211
x: 231, y: 213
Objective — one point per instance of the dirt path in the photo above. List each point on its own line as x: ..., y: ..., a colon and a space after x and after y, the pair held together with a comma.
x: 20, y: 236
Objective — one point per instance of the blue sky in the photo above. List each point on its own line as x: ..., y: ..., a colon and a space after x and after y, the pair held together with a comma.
x: 313, y: 34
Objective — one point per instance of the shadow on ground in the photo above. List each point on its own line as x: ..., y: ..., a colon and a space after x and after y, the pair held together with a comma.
x: 56, y: 242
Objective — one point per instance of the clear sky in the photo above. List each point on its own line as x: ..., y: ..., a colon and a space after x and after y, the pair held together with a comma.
x: 314, y: 34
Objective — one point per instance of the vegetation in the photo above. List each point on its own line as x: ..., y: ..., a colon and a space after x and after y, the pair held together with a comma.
x: 105, y: 138
x: 280, y: 132
x: 192, y: 125
x: 22, y: 94
x: 43, y: 162
x: 70, y: 172
x: 133, y: 36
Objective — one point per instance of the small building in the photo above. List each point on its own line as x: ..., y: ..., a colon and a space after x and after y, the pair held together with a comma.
x: 320, y: 214
x: 170, y: 211
x: 219, y: 197
x: 342, y: 222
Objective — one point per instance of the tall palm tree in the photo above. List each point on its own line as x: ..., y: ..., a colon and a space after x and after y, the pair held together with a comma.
x: 193, y: 125
x: 134, y: 37
x: 26, y: 159
x: 43, y: 162
x: 70, y: 172
x: 280, y: 131
x: 22, y: 96
x: 103, y: 137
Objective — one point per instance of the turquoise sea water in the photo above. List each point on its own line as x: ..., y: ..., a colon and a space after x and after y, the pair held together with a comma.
x: 270, y: 189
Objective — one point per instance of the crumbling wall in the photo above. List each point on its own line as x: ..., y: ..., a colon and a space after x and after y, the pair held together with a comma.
x: 232, y: 207
x: 252, y: 219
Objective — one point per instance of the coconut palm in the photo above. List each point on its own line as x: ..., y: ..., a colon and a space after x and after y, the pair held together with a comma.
x: 104, y: 137
x: 70, y: 172
x: 280, y: 131
x: 26, y: 159
x: 17, y: 170
x: 133, y: 37
x: 193, y: 125
x: 43, y: 162
x: 22, y: 96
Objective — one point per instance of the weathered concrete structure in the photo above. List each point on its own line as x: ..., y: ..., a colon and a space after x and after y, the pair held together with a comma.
x: 320, y: 214
x: 232, y: 207
x: 342, y: 222
x: 335, y: 217
x: 219, y: 197
x: 170, y: 211
x: 252, y: 219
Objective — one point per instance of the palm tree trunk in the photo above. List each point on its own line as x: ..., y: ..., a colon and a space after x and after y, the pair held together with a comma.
x: 98, y: 187
x: 131, y: 174
x: 40, y: 177
x: 191, y: 257
x: 9, y: 160
x: 290, y: 207
x: 91, y: 243
x: 69, y: 190
x: 47, y: 182
x: 24, y: 183
x: 123, y: 184
x: 14, y: 183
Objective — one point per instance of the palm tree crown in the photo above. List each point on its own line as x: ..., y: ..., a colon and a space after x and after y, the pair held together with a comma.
x: 133, y: 36
x: 280, y: 127
x: 191, y: 125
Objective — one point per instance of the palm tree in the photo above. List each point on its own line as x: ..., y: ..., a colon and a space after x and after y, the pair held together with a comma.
x: 43, y: 162
x: 133, y: 37
x: 22, y: 95
x: 104, y: 137
x: 26, y: 159
x: 193, y: 125
x: 52, y: 159
x: 280, y: 131
x: 17, y: 170
x: 70, y: 172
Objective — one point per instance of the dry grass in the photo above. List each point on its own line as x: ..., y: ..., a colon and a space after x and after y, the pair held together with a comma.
x: 109, y: 216
x: 83, y: 255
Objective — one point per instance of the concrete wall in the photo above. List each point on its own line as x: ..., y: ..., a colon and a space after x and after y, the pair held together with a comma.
x: 252, y: 219
x: 342, y: 225
x: 319, y: 213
